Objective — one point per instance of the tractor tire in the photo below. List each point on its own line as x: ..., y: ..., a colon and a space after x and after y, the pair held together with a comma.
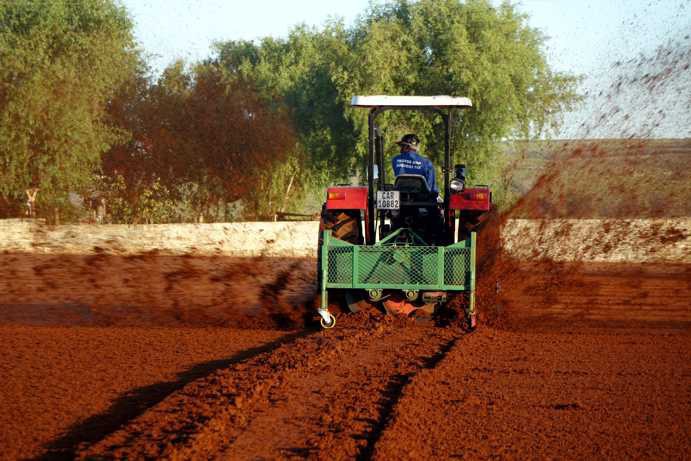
x: 344, y: 225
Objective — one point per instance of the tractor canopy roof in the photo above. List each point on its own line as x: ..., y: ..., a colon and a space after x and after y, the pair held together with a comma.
x: 412, y: 102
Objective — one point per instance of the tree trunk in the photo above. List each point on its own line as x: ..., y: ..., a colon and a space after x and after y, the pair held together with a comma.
x: 285, y: 197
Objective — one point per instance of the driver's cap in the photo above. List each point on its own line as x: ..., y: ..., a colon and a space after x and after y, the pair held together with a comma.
x: 411, y: 140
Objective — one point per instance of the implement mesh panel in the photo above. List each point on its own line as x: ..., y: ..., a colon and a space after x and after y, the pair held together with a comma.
x: 340, y: 265
x: 457, y: 266
x: 405, y: 267
x: 398, y: 265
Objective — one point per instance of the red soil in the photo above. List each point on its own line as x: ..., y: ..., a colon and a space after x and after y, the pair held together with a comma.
x: 156, y: 290
x: 563, y: 377
x: 574, y: 361
x: 62, y: 386
x: 582, y: 359
x: 630, y: 179
x: 569, y: 393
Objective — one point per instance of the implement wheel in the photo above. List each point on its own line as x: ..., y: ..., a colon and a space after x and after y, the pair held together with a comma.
x: 330, y: 324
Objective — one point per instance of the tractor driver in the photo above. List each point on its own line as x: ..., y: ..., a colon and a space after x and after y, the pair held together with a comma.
x: 410, y: 162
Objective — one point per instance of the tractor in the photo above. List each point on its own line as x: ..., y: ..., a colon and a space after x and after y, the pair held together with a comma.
x: 395, y: 244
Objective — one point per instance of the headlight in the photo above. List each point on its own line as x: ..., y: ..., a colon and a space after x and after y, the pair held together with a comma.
x: 457, y: 185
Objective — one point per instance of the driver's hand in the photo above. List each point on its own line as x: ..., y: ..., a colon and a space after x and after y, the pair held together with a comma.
x: 440, y: 200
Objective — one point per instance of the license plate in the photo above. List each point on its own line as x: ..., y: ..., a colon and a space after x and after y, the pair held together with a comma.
x: 388, y: 200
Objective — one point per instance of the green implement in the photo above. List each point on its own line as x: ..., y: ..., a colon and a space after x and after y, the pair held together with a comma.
x: 392, y: 266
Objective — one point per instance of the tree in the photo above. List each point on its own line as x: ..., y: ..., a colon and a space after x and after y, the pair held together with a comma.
x: 197, y: 135
x: 298, y: 72
x: 236, y: 136
x: 468, y: 48
x: 62, y: 61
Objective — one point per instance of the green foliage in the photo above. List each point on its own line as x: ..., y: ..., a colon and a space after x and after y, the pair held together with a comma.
x: 297, y: 72
x: 197, y: 127
x: 61, y: 61
x: 427, y: 47
x: 261, y: 126
x: 154, y: 203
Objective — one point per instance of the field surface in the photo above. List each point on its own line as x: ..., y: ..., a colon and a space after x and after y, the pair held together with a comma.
x: 564, y: 374
x: 104, y: 357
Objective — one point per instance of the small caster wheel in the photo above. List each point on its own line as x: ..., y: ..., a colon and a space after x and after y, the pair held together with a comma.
x: 330, y: 324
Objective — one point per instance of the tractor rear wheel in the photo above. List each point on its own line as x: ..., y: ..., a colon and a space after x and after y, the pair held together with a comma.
x: 344, y: 225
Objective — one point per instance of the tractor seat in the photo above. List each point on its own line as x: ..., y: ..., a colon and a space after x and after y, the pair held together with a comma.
x: 415, y: 190
x: 413, y: 183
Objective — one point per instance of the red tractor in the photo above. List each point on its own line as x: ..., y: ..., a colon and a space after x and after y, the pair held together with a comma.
x: 395, y: 243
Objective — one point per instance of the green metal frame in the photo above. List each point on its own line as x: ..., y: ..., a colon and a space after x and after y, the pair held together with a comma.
x: 387, y: 265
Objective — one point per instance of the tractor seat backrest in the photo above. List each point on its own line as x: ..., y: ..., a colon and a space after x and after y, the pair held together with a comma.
x: 412, y: 183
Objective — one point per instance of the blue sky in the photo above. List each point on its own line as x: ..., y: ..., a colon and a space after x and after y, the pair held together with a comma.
x: 584, y: 34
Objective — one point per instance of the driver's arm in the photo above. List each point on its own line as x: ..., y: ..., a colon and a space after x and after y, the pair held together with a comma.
x: 431, y: 177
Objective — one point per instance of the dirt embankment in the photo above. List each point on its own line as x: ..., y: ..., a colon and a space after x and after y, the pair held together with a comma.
x: 240, y: 239
x: 636, y: 241
x: 631, y: 201
x: 156, y: 290
x: 606, y: 201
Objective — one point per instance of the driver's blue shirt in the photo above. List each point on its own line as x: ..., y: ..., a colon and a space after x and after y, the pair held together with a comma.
x: 413, y: 163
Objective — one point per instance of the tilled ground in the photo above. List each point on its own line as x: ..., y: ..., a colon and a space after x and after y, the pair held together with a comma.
x: 326, y: 395
x: 570, y: 394
x: 562, y: 376
x: 572, y: 360
x: 66, y: 386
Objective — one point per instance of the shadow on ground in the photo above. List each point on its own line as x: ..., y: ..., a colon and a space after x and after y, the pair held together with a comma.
x: 135, y: 402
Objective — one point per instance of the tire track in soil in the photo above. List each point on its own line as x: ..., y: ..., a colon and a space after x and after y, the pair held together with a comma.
x: 564, y: 394
x: 394, y: 394
x: 324, y: 396
x: 335, y: 409
x: 136, y: 402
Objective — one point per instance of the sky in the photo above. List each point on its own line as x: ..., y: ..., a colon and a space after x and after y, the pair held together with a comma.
x: 583, y: 34
x: 585, y: 37
x: 171, y: 29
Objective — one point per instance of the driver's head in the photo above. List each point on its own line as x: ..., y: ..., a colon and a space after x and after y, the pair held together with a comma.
x: 409, y: 142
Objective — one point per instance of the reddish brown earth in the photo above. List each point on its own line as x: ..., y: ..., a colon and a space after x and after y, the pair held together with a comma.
x: 155, y: 289
x: 62, y: 386
x: 569, y: 393
x: 571, y: 361
x: 634, y: 179
x: 613, y: 381
x: 561, y: 375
